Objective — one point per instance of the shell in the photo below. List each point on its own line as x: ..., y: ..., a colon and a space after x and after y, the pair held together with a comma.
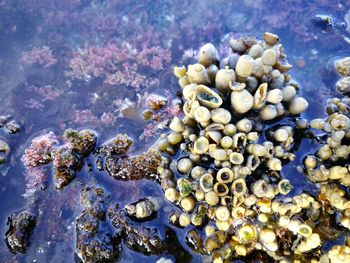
x: 190, y: 107
x: 244, y: 67
x: 269, y: 57
x: 212, y: 70
x: 343, y: 66
x: 268, y: 112
x: 206, y: 182
x: 244, y: 125
x: 211, y: 198
x: 242, y: 101
x: 202, y: 114
x: 197, y: 172
x: 256, y: 51
x: 184, y: 165
x: 188, y: 203
x: 201, y: 145
x: 180, y: 72
x: 274, y: 96
x: 189, y: 92
x: 221, y: 189
x: 223, y: 79
x: 270, y: 38
x: 220, y: 115
x: 274, y: 164
x: 208, y: 55
x: 197, y: 73
x: 239, y: 187
x: 288, y: 93
x: 183, y: 82
x: 232, y: 60
x: 258, y: 70
x: 343, y: 85
x: 239, y: 140
x: 222, y: 213
x: 236, y: 158
x: 284, y: 187
x: 226, y: 142
x: 215, y: 127
x: 230, y: 129
x: 225, y: 175
x: 281, y: 135
x: 177, y: 125
x: 207, y: 97
x: 253, y: 162
x: 237, y: 86
x: 220, y: 154
x: 260, y: 96
x: 215, y: 136
x: 298, y: 105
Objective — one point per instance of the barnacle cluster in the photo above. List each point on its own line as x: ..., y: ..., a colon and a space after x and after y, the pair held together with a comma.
x: 228, y: 179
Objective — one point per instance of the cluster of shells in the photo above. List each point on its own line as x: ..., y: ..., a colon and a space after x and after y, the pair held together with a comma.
x: 227, y: 180
x: 329, y: 167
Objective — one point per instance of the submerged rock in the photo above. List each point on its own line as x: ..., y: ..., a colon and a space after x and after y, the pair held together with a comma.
x: 142, y: 166
x: 83, y: 142
x: 20, y: 228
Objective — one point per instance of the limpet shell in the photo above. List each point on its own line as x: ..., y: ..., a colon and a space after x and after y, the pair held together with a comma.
x: 244, y: 67
x: 274, y: 96
x: 239, y: 187
x: 221, y: 115
x: 207, y: 97
x: 208, y: 55
x: 177, y: 125
x: 242, y: 101
x: 268, y: 112
x: 269, y: 57
x: 197, y: 73
x: 298, y: 105
x: 179, y: 72
x: 256, y: 51
x: 190, y: 107
x: 237, y: 86
x: 202, y: 114
x: 223, y: 79
x: 288, y: 93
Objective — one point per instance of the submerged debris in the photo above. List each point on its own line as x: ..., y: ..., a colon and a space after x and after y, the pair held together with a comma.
x: 142, y: 166
x: 20, y: 228
x: 140, y: 239
x: 94, y: 240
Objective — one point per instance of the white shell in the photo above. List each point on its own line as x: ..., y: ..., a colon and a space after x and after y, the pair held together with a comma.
x: 221, y: 115
x: 244, y: 67
x: 242, y: 101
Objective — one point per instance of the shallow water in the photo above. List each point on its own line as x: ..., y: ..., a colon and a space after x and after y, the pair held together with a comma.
x: 67, y: 26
